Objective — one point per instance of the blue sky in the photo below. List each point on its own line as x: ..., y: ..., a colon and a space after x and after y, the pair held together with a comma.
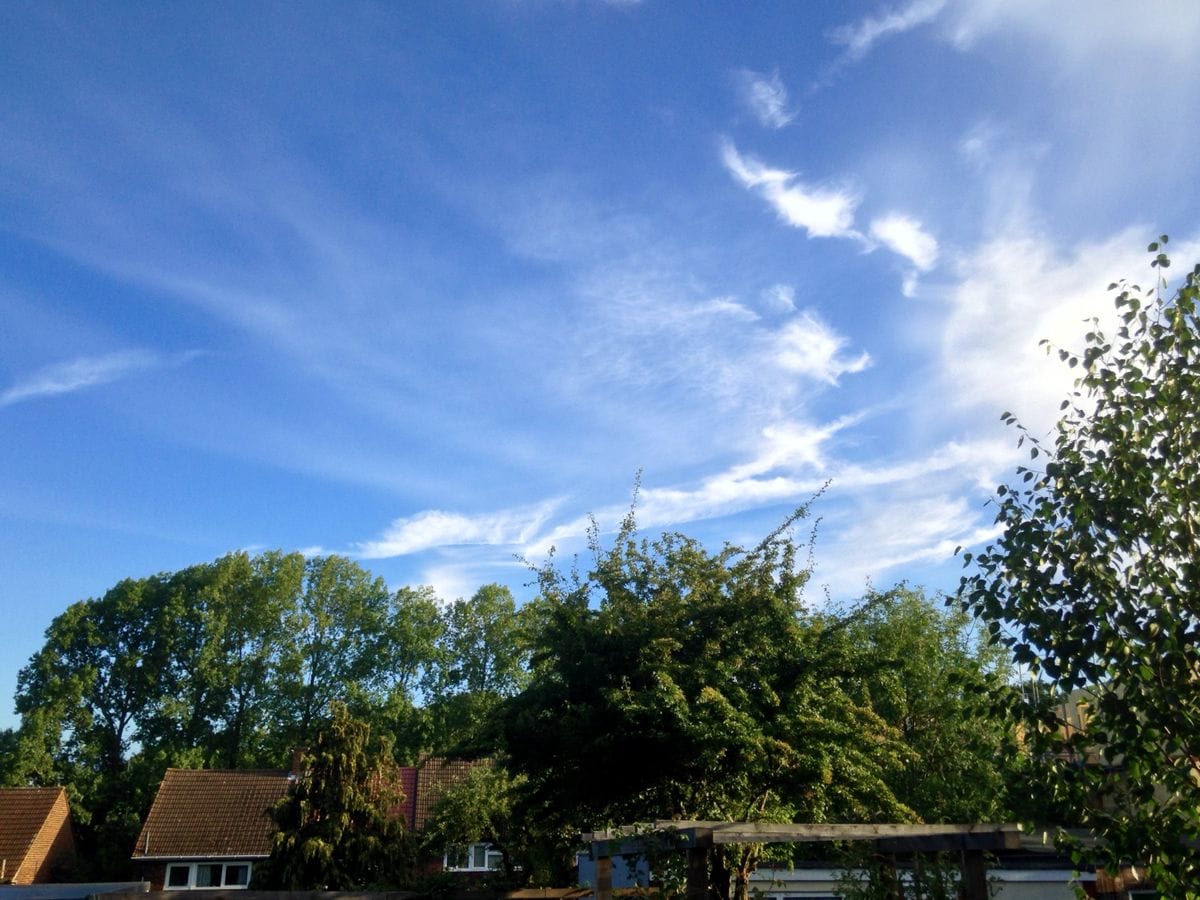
x: 428, y: 283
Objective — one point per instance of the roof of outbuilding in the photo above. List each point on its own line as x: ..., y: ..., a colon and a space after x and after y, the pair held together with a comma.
x: 23, y: 812
x: 201, y: 813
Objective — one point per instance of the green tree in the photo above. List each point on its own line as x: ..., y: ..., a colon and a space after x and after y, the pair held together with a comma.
x: 337, y: 626
x: 223, y: 634
x: 481, y: 808
x: 80, y: 699
x: 676, y: 683
x: 228, y: 663
x: 482, y: 660
x: 1093, y: 584
x: 339, y: 828
x: 928, y: 674
x: 406, y: 655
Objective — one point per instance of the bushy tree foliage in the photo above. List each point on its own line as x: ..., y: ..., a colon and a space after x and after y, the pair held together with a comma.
x: 481, y: 808
x: 928, y: 674
x: 339, y: 827
x: 481, y: 654
x: 1093, y: 584
x: 226, y: 664
x: 672, y: 682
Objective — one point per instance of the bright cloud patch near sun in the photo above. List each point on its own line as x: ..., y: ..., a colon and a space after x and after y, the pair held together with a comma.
x: 905, y: 236
x: 821, y: 211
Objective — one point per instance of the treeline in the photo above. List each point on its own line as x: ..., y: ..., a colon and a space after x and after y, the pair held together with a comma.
x: 667, y: 681
x: 234, y: 664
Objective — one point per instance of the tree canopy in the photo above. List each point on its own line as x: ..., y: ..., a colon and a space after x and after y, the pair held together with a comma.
x: 672, y: 682
x: 928, y: 672
x: 1093, y: 584
x: 232, y: 663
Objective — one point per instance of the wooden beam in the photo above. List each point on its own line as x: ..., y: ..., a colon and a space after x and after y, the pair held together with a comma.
x: 950, y: 843
x: 604, y: 887
x: 609, y: 843
x: 974, y: 875
x: 664, y: 834
x: 696, y: 886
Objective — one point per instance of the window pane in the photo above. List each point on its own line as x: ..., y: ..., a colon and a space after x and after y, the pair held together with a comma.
x: 208, y: 875
x: 237, y: 875
x: 177, y: 876
x: 479, y: 856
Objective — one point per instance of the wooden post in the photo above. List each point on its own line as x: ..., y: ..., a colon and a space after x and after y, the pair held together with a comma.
x: 697, y: 874
x: 974, y: 874
x: 603, y: 887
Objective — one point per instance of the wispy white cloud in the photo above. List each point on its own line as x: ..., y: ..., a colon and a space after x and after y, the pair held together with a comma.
x: 1099, y: 72
x: 780, y: 298
x: 85, y: 372
x: 1165, y: 28
x: 807, y: 346
x: 821, y: 211
x: 860, y: 37
x: 790, y: 461
x: 439, y: 528
x: 726, y: 307
x: 872, y: 539
x: 766, y: 97
x: 905, y: 235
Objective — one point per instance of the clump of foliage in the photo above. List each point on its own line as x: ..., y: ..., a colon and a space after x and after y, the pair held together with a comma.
x: 928, y: 673
x: 339, y: 827
x: 479, y: 808
x: 1094, y: 584
x: 672, y: 682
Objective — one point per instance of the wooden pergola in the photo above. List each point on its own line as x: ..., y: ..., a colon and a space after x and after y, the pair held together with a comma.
x: 698, y: 839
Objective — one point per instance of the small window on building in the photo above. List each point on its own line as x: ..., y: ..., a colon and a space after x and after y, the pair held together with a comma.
x: 473, y: 858
x: 209, y: 875
x: 189, y: 876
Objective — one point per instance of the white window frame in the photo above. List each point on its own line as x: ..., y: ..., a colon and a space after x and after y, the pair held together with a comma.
x: 493, y: 860
x: 193, y: 869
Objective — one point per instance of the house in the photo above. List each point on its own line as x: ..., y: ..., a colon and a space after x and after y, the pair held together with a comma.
x: 208, y: 827
x: 423, y: 786
x: 36, y: 841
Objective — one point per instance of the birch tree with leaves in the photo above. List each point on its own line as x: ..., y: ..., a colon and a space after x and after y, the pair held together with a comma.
x: 1094, y: 583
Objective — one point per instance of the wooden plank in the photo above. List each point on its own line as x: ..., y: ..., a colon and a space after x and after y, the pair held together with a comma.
x: 992, y: 841
x: 766, y: 832
x: 604, y: 887
x: 696, y: 886
x: 664, y: 835
x: 974, y: 875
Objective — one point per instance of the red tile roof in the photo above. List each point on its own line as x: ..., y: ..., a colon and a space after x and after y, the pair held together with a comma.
x: 200, y: 813
x: 432, y: 778
x: 24, y: 814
